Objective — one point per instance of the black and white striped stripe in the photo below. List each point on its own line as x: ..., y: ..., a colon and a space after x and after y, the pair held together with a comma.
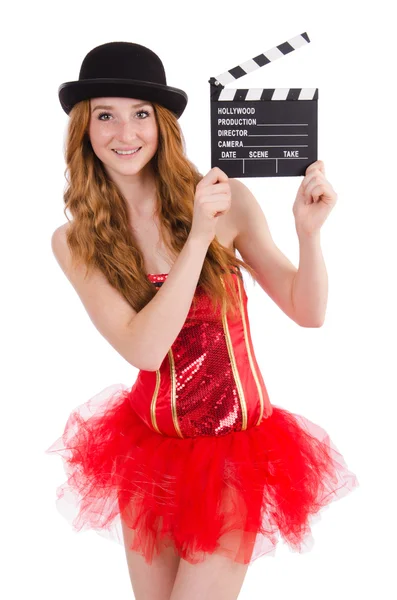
x: 233, y: 95
x: 220, y: 93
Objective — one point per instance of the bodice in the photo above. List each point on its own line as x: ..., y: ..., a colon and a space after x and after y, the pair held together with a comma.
x: 209, y: 383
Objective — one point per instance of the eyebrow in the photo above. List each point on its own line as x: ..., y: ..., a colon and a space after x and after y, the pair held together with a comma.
x: 108, y: 107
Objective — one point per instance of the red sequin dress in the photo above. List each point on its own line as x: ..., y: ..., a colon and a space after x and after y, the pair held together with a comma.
x: 195, y: 455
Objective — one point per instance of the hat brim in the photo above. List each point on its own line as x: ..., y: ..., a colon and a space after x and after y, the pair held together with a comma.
x: 71, y: 92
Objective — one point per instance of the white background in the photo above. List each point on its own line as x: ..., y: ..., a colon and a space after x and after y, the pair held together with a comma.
x: 340, y: 375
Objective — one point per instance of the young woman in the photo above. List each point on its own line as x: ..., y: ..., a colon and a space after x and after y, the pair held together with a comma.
x: 193, y: 463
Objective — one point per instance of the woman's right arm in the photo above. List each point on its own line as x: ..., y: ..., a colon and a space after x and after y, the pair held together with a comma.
x: 155, y: 328
x: 144, y: 338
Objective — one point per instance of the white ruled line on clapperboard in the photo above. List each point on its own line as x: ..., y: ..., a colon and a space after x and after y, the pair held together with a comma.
x: 281, y: 133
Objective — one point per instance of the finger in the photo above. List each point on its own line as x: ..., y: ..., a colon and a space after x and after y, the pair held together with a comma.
x: 317, y: 191
x: 213, y: 176
x: 215, y: 198
x: 314, y: 176
x: 318, y: 164
x: 315, y: 185
x: 219, y: 188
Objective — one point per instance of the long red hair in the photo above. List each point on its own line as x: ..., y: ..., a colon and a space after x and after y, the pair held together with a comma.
x: 99, y: 234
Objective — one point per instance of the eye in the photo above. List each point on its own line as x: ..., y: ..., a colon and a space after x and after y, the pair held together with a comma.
x: 102, y: 115
x: 140, y: 112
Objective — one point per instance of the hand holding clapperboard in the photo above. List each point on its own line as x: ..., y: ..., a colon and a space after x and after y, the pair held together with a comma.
x: 271, y: 133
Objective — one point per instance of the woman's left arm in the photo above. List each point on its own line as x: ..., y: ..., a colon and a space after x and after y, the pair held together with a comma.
x: 314, y: 201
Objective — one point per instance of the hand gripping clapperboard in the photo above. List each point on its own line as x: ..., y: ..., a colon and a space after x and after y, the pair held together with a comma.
x: 263, y: 132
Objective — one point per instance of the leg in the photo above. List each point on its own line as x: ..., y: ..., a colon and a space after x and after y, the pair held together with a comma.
x: 216, y: 578
x: 150, y: 582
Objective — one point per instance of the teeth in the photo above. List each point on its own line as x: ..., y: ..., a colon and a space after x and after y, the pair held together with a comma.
x: 127, y: 151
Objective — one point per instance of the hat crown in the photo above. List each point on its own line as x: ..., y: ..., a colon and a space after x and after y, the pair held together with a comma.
x: 122, y: 69
x: 123, y: 60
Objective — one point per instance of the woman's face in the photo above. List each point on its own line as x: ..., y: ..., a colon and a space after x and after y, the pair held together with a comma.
x: 123, y: 124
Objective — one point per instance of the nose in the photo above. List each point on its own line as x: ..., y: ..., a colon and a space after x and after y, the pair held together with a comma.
x: 127, y: 131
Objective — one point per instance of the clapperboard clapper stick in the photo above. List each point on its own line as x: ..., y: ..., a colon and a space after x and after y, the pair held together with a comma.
x: 263, y: 132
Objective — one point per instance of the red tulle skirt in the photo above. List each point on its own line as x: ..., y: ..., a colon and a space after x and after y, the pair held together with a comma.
x: 233, y: 494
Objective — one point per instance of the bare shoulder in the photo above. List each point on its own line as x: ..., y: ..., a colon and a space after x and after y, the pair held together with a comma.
x: 61, y: 230
x: 59, y: 233
x: 239, y: 195
x: 238, y: 189
x: 76, y: 273
x: 99, y: 297
x: 108, y: 310
x: 60, y: 246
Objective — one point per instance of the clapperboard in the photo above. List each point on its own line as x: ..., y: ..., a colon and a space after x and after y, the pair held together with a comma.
x: 263, y: 132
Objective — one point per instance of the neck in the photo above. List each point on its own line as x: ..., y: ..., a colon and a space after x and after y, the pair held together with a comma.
x: 139, y: 191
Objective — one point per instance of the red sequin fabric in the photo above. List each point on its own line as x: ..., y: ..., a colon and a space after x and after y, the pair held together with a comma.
x: 209, y: 384
x: 194, y: 455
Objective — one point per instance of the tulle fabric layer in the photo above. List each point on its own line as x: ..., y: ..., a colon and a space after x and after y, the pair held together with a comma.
x: 233, y: 495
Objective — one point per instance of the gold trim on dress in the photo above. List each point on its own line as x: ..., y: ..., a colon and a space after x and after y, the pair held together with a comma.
x: 258, y: 385
x: 154, y: 401
x: 173, y: 393
x: 173, y: 397
x: 233, y: 364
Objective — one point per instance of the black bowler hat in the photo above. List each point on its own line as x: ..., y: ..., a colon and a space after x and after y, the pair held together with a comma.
x: 122, y: 69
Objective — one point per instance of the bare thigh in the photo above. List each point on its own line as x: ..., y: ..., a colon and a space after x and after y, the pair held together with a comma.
x: 155, y: 581
x: 215, y: 578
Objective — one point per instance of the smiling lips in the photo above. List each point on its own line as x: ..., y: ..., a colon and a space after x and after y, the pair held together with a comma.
x: 130, y: 152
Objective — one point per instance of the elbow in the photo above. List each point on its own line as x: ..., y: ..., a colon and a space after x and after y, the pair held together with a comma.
x: 157, y: 366
x: 148, y: 365
x: 141, y: 364
x: 311, y: 323
x: 141, y: 356
x: 150, y: 369
x: 151, y: 364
